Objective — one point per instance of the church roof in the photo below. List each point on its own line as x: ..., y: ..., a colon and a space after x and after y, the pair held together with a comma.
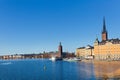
x: 113, y: 41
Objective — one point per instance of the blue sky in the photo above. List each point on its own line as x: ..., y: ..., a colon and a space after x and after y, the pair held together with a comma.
x: 33, y: 26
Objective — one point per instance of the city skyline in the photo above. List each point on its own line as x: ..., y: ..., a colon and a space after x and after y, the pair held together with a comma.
x: 29, y: 26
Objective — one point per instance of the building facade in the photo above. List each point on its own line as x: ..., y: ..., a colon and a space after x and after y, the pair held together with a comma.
x: 85, y: 52
x: 107, y: 49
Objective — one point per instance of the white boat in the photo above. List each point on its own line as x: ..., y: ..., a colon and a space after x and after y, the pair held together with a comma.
x: 89, y: 58
x: 72, y: 59
x: 53, y: 58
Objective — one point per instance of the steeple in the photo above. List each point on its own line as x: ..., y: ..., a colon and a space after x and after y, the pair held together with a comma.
x: 104, y: 31
x: 104, y: 26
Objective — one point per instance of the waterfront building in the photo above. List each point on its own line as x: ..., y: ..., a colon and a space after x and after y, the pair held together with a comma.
x: 85, y: 52
x: 16, y: 56
x: 106, y: 49
x: 58, y: 54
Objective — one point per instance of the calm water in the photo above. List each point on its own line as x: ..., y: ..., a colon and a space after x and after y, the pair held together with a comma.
x: 45, y: 70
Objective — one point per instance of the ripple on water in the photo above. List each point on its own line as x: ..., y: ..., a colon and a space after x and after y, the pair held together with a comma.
x: 5, y: 63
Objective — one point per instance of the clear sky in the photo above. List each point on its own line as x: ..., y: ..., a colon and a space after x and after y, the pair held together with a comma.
x: 33, y: 26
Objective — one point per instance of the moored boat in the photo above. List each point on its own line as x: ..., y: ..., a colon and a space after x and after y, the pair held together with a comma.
x: 72, y: 59
x: 55, y: 59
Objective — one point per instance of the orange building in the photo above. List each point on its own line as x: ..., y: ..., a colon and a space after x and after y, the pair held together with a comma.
x: 107, y: 49
x: 85, y: 52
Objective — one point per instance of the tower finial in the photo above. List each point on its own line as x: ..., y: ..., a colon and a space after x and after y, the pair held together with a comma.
x: 60, y: 44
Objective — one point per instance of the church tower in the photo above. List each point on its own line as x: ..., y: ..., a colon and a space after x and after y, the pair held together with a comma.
x: 60, y: 50
x: 104, y: 31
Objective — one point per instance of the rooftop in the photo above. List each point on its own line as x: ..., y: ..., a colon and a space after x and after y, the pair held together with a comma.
x: 113, y: 41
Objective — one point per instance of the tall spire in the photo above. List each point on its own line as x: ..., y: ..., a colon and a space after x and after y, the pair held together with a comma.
x: 104, y: 31
x: 104, y: 26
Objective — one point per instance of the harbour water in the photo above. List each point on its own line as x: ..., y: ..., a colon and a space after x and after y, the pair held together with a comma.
x: 44, y: 69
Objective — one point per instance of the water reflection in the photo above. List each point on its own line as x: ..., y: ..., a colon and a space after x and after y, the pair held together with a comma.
x: 105, y: 70
x: 62, y: 70
x: 59, y: 70
x: 86, y: 71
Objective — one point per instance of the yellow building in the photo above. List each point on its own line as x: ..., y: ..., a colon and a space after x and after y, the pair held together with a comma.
x: 106, y: 49
x: 109, y: 49
x: 85, y: 52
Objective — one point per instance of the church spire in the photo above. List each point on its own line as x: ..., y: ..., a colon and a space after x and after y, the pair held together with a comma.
x: 104, y: 26
x: 104, y: 31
